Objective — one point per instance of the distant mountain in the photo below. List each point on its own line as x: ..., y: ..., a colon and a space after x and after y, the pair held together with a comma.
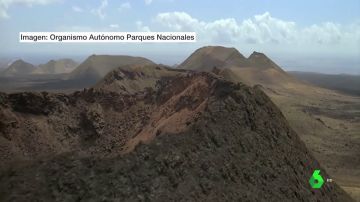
x: 349, y: 84
x: 56, y: 67
x: 208, y: 57
x: 97, y: 66
x: 48, y: 77
x: 230, y: 63
x: 18, y: 68
x: 260, y: 60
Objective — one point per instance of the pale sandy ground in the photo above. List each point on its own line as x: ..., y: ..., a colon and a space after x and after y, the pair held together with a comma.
x: 329, y: 124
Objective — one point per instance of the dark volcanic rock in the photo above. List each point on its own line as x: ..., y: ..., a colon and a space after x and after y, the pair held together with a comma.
x: 33, y: 103
x: 236, y: 147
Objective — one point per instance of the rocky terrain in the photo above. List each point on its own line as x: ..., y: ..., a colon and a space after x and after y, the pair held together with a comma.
x: 150, y: 133
x: 327, y: 121
x: 37, y: 124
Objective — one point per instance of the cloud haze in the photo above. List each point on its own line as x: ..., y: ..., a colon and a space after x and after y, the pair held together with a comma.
x: 100, y: 11
x: 5, y: 5
x: 324, y: 31
x: 261, y: 29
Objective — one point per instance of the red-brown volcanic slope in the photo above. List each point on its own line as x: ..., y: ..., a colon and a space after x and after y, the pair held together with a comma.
x: 207, y: 139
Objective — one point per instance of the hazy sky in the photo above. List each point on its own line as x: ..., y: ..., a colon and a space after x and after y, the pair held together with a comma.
x: 299, y: 35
